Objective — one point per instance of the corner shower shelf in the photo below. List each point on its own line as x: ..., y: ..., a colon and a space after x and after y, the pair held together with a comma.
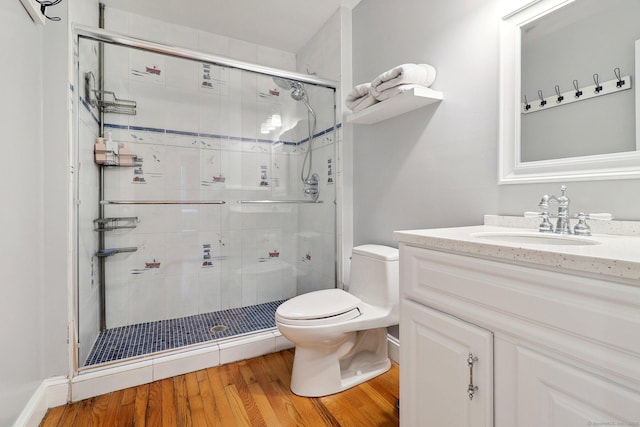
x: 103, y: 253
x: 399, y: 104
x: 108, y: 224
x: 131, y: 159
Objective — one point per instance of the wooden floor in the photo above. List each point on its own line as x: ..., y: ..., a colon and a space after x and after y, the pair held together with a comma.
x: 252, y: 392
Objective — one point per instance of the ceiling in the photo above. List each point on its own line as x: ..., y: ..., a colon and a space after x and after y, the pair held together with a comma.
x: 281, y: 24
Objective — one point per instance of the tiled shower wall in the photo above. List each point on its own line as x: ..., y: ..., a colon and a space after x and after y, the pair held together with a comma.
x: 200, y: 258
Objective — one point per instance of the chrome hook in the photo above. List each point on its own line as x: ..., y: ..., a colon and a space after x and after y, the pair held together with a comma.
x: 560, y: 97
x: 620, y: 82
x: 43, y: 6
x: 542, y: 101
x: 577, y: 88
x: 597, y: 82
x: 527, y: 106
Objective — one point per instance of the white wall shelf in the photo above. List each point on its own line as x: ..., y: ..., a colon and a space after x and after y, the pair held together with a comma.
x: 399, y: 104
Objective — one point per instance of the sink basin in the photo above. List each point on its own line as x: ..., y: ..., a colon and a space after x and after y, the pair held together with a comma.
x: 535, y: 238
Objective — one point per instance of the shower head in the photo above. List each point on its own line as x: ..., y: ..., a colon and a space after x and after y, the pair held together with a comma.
x: 283, y: 83
x: 298, y: 92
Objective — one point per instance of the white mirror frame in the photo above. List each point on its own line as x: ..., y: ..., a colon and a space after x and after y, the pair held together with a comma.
x: 510, y: 169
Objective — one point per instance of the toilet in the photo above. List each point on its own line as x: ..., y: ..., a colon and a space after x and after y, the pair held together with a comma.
x: 341, y: 336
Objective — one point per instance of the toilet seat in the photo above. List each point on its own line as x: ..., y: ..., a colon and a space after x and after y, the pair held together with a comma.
x: 319, y: 308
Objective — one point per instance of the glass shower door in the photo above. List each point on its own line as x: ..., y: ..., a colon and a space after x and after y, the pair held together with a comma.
x: 201, y: 222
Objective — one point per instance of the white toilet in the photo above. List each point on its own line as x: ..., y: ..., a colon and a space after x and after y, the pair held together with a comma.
x: 341, y: 337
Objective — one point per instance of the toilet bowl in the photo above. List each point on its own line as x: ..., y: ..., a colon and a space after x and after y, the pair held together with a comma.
x: 341, y: 336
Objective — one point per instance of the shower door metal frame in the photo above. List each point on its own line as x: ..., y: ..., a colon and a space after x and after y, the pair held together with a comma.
x: 105, y: 36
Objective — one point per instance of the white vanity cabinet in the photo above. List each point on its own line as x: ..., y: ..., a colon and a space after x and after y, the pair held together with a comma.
x: 553, y: 349
x: 449, y: 369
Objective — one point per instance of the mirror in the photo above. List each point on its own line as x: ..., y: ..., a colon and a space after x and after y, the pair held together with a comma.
x: 548, y: 48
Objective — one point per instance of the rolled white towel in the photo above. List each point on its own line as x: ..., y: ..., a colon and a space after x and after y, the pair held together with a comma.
x: 360, y: 97
x: 420, y: 74
x: 393, y: 91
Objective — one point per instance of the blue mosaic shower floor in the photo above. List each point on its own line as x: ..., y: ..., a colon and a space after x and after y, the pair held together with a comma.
x: 145, y: 338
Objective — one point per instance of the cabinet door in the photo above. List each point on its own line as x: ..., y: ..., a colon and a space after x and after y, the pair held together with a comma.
x: 435, y: 373
x: 553, y: 393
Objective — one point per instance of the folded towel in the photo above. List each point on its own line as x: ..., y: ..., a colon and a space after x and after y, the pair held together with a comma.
x: 362, y: 103
x: 359, y: 91
x: 420, y: 74
x: 393, y: 91
x: 360, y: 98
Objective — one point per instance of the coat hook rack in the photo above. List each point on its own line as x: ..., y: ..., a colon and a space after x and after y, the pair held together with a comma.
x: 619, y: 83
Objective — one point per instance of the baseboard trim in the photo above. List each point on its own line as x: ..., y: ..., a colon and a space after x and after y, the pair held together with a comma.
x: 50, y: 393
x: 393, y: 348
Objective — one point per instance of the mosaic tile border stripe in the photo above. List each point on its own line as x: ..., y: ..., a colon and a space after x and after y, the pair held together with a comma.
x: 203, y: 135
x: 151, y: 337
x: 210, y: 135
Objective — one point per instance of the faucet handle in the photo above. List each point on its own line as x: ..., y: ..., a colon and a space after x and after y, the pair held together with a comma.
x: 599, y: 216
x: 545, y: 225
x: 582, y: 228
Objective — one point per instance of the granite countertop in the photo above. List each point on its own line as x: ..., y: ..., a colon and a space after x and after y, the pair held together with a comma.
x: 615, y: 257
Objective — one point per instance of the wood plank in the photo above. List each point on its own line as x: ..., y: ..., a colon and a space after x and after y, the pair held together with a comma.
x: 83, y: 417
x: 69, y: 415
x: 125, y: 410
x: 183, y: 416
x: 277, y: 395
x: 259, y: 396
x: 196, y: 407
x: 52, y: 417
x: 112, y: 408
x: 209, y: 403
x: 248, y: 402
x: 154, y: 412
x: 234, y: 396
x: 140, y: 406
x: 99, y: 412
x: 169, y: 414
x: 225, y: 413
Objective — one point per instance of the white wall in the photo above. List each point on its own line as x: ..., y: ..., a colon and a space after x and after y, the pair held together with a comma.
x: 436, y: 166
x: 21, y: 251
x: 35, y: 257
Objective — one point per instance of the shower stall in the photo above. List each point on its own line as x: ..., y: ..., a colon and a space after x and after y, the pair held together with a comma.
x: 205, y: 195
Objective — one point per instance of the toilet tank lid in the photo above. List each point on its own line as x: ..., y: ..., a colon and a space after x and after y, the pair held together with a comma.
x: 384, y: 253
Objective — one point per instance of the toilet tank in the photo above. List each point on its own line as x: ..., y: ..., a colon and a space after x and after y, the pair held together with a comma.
x: 374, y: 275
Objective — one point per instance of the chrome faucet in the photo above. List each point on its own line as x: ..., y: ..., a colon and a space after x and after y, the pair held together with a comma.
x: 563, y: 225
